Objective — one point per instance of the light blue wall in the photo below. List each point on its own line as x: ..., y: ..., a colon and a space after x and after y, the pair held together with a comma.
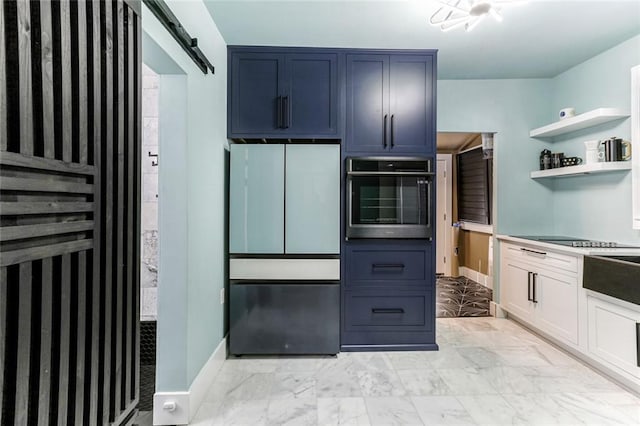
x: 595, y: 206
x: 172, y: 220
x: 510, y: 108
x: 190, y: 316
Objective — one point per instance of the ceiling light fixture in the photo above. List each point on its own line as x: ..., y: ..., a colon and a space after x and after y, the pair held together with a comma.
x: 468, y: 13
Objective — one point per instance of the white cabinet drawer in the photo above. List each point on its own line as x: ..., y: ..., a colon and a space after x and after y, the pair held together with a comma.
x: 540, y: 257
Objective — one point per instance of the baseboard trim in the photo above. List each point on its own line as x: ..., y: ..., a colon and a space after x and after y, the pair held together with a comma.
x: 495, y: 310
x: 385, y: 348
x: 205, y: 378
x: 171, y: 408
x: 482, y: 279
x: 186, y: 404
x: 621, y: 379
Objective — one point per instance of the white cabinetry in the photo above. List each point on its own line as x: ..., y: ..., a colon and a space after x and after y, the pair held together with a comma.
x: 557, y: 306
x: 613, y: 335
x: 516, y: 288
x: 635, y: 141
x: 540, y: 287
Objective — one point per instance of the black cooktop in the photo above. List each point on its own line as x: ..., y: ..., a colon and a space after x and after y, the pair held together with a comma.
x: 574, y: 242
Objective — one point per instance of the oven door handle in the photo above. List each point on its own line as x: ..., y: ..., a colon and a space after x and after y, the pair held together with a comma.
x: 426, y: 174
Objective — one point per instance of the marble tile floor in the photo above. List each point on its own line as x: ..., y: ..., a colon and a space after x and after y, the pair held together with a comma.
x: 488, y: 372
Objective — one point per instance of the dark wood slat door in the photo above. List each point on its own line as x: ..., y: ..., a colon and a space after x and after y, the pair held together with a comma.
x: 69, y: 211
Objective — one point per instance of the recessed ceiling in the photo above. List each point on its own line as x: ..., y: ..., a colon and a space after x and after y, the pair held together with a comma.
x: 538, y: 39
x: 455, y: 141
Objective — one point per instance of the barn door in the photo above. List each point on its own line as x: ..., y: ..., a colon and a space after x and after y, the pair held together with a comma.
x: 69, y: 211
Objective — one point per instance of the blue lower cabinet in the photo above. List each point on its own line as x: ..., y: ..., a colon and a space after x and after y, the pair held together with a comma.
x: 284, y: 318
x: 370, y: 311
x: 388, y: 296
x: 388, y: 320
x: 367, y: 266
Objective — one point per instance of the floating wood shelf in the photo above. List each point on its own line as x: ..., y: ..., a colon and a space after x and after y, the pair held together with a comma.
x: 581, y: 121
x: 612, y: 166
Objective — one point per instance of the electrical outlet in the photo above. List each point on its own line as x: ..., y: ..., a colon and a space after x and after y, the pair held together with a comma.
x: 222, y: 296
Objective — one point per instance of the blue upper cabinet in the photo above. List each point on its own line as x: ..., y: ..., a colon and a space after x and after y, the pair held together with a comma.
x: 367, y: 115
x: 312, y: 95
x: 257, y: 84
x: 283, y: 93
x: 411, y: 104
x: 390, y: 103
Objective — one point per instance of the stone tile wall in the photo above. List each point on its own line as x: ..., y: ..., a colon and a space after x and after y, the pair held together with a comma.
x: 149, y: 237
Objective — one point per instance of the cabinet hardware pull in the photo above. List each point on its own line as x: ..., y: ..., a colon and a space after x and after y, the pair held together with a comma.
x: 376, y: 173
x: 638, y: 344
x: 392, y: 132
x: 535, y: 284
x: 387, y: 265
x: 541, y: 253
x: 384, y: 131
x: 529, y: 298
x: 279, y: 109
x: 387, y: 310
x: 286, y: 113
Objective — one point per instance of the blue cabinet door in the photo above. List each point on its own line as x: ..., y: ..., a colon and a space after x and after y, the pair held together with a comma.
x: 390, y: 104
x: 256, y: 84
x: 283, y: 93
x: 312, y: 212
x: 367, y: 115
x: 411, y: 124
x: 256, y: 199
x: 311, y: 99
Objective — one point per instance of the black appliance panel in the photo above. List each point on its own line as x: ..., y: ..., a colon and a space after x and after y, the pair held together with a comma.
x: 389, y: 197
x: 284, y: 318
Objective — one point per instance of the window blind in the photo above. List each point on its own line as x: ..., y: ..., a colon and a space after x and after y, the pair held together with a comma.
x: 474, y: 187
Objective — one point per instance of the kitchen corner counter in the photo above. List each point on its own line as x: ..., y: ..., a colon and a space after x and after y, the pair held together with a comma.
x: 585, y: 251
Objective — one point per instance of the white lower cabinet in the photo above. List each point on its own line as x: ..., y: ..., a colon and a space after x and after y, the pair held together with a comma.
x: 557, y: 307
x: 516, y: 289
x: 613, y: 335
x: 536, y: 290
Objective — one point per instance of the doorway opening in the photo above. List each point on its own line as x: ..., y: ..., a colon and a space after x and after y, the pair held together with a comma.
x: 163, y: 124
x: 464, y: 246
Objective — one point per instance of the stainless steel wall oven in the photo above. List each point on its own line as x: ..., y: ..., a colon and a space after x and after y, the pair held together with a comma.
x: 389, y: 197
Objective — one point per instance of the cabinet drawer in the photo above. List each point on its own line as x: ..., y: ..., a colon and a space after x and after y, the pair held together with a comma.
x: 541, y: 257
x: 384, y: 311
x: 380, y: 267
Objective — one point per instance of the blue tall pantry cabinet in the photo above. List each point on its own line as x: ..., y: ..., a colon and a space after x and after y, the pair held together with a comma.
x: 298, y: 285
x: 388, y: 285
